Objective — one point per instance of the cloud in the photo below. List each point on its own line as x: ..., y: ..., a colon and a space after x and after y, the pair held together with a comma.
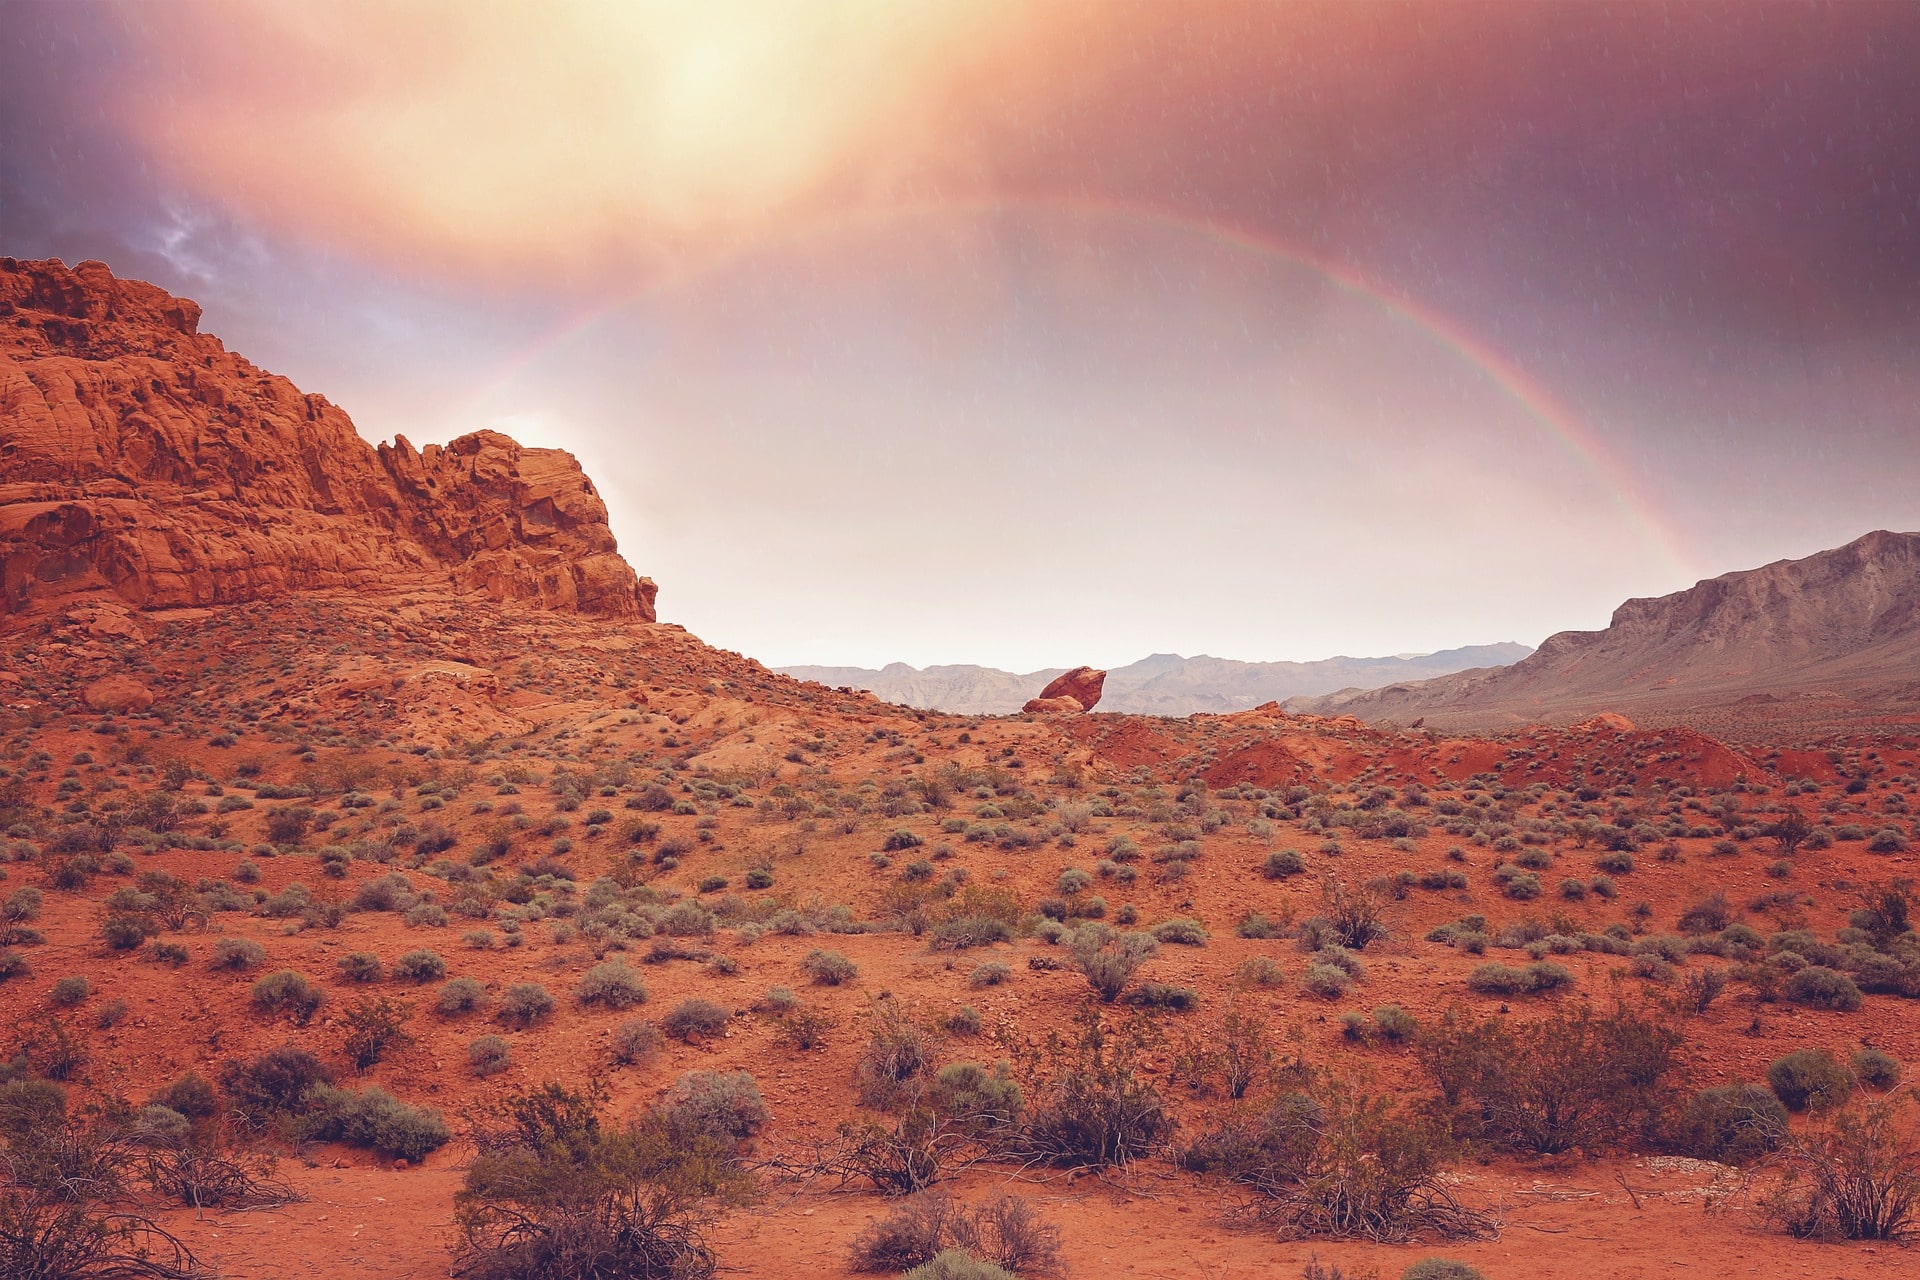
x: 564, y: 133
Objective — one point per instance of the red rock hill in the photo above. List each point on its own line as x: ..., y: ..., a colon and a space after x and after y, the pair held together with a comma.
x: 140, y: 458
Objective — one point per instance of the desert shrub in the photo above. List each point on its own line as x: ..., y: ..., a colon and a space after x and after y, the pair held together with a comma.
x: 17, y: 911
x: 1709, y: 915
x: 990, y: 974
x: 1331, y: 1161
x: 694, y: 1017
x: 360, y: 966
x: 391, y: 892
x: 1180, y: 932
x: 634, y: 1040
x: 559, y: 1192
x: 829, y: 968
x: 1108, y: 959
x: 489, y: 1056
x: 1006, y: 1232
x: 898, y: 1052
x: 1440, y: 1269
x: 714, y: 1104
x: 1255, y: 925
x: 1702, y: 987
x: 427, y: 915
x: 1099, y: 1109
x: 191, y: 1095
x: 612, y: 984
x: 272, y: 1084
x: 1876, y: 1069
x: 1282, y: 863
x: 1855, y: 1178
x: 238, y: 954
x: 69, y: 991
x: 1496, y: 979
x: 934, y: 1237
x: 376, y: 1120
x: 373, y: 1025
x: 287, y: 992
x: 964, y: 1021
x: 420, y: 966
x: 1887, y: 840
x: 1326, y: 981
x: 69, y: 1211
x: 1822, y: 988
x: 778, y: 1000
x: 525, y: 1003
x: 126, y: 930
x: 1162, y: 995
x: 979, y: 1101
x: 958, y: 1264
x: 1260, y: 971
x: 460, y: 995
x: 962, y: 932
x: 1810, y: 1080
x: 912, y: 1234
x: 1353, y: 916
x: 13, y: 965
x: 1575, y: 1079
x: 1730, y: 1124
x: 1394, y: 1024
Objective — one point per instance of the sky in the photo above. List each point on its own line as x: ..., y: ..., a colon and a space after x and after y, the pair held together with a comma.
x: 1033, y: 335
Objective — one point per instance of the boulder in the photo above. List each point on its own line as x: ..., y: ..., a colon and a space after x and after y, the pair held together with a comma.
x: 1082, y: 684
x: 1053, y: 706
x: 117, y: 694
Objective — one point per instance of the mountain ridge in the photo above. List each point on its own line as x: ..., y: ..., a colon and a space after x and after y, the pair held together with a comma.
x: 1840, y: 627
x: 1158, y: 684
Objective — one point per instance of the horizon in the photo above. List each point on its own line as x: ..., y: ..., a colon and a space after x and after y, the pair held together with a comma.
x: 1180, y: 657
x: 1002, y: 337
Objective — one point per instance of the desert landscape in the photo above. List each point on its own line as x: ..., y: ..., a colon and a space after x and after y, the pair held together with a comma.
x: 393, y: 884
x: 378, y: 767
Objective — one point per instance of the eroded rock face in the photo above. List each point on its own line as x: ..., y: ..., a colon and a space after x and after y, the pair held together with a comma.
x: 1082, y: 685
x: 140, y: 459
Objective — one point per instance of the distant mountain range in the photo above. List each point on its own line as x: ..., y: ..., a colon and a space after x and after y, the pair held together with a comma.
x: 1829, y: 642
x: 1165, y: 684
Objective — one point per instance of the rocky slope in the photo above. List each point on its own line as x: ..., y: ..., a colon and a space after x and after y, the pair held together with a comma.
x: 1164, y: 684
x: 141, y: 460
x: 1832, y: 637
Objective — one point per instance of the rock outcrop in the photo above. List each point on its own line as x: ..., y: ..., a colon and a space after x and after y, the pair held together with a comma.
x: 1077, y: 690
x: 140, y: 459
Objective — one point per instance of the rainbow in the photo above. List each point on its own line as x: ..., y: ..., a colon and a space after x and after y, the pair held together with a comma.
x: 1556, y: 420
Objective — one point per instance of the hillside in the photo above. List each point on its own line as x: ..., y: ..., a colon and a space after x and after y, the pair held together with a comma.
x: 1819, y: 644
x: 1164, y: 684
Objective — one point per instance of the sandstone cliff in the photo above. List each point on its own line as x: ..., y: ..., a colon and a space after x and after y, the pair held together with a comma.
x: 139, y: 458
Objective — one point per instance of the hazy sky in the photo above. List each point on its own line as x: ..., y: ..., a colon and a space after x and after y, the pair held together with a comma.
x: 1037, y: 334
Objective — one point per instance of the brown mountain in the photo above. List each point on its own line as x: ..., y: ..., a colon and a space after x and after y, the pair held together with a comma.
x: 143, y: 461
x: 1828, y: 641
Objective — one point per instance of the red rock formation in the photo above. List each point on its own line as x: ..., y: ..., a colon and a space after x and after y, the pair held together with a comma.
x: 140, y: 458
x: 1081, y: 686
